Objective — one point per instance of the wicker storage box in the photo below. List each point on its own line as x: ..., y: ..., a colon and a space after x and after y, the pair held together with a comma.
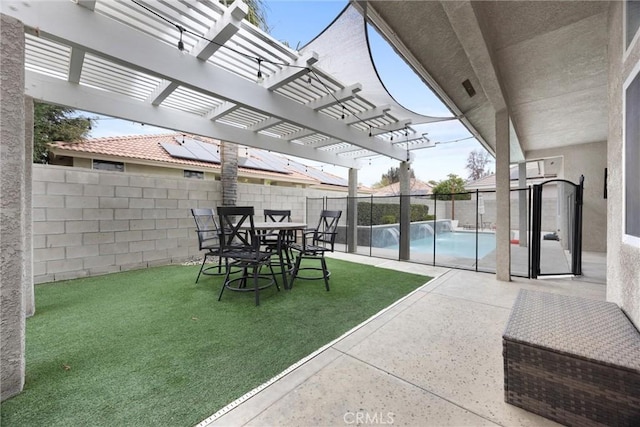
x: 573, y: 360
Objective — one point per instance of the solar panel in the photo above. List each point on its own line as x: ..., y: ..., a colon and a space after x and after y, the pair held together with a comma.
x: 193, y: 150
x: 253, y: 163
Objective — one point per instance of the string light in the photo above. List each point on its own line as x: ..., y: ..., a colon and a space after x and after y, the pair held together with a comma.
x: 180, y: 42
x: 343, y: 112
x: 370, y: 130
x: 260, y: 78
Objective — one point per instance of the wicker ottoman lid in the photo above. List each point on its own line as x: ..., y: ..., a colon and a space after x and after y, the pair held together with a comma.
x: 593, y: 330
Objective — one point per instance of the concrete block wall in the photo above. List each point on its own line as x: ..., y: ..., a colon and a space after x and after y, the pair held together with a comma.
x: 90, y: 222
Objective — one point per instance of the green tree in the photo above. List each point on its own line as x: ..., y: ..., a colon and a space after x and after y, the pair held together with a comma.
x: 448, y: 189
x: 55, y: 123
x: 257, y: 14
x: 391, y: 177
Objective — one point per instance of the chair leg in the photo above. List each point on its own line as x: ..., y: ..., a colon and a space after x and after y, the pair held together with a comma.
x: 226, y: 278
x: 255, y: 285
x: 201, y: 267
x: 273, y: 274
x: 294, y: 273
x: 325, y: 273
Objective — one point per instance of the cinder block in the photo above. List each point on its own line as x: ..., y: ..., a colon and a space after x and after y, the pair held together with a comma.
x: 197, y: 195
x: 166, y: 203
x: 82, y: 251
x: 80, y: 202
x: 141, y: 246
x: 69, y: 275
x: 178, y: 213
x: 82, y: 226
x: 167, y: 183
x: 128, y: 192
x: 155, y: 255
x: 48, y: 254
x: 38, y: 214
x: 142, y: 181
x: 43, y: 201
x: 188, y: 204
x: 43, y: 278
x: 57, y: 214
x: 159, y: 262
x: 141, y: 203
x: 64, y: 240
x: 39, y: 268
x: 113, y: 179
x: 154, y: 213
x: 113, y: 203
x: 128, y: 213
x: 118, y: 225
x: 177, y: 194
x: 114, y: 248
x: 97, y: 214
x: 167, y: 244
x: 128, y: 258
x: 47, y: 173
x: 128, y: 236
x: 154, y: 193
x: 166, y: 223
x: 98, y: 238
x: 99, y: 190
x: 99, y: 261
x: 64, y: 266
x: 40, y: 241
x: 179, y: 233
x: 154, y: 234
x: 133, y: 266
x: 98, y: 271
x: 48, y: 227
x: 64, y: 189
x: 81, y: 177
x: 142, y: 224
x: 39, y: 188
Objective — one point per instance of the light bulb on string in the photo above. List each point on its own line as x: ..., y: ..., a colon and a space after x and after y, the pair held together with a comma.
x: 260, y: 78
x: 343, y: 112
x: 180, y: 42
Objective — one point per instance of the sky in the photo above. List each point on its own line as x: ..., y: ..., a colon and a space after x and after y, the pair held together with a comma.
x: 297, y: 23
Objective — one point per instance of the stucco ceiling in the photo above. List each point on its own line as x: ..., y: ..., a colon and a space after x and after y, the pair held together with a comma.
x: 544, y: 61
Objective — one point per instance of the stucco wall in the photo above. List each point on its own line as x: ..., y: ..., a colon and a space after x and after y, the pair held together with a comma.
x: 89, y: 222
x: 588, y: 160
x: 623, y: 260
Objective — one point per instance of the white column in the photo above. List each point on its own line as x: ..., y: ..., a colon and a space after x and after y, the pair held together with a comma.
x: 352, y: 212
x: 12, y: 336
x: 29, y: 294
x: 503, y: 226
x: 522, y: 205
x: 405, y: 211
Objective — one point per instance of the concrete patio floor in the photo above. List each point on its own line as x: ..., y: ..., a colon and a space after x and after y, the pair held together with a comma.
x: 433, y: 358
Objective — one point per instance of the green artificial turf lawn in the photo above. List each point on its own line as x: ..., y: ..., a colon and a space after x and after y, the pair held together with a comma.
x: 150, y: 347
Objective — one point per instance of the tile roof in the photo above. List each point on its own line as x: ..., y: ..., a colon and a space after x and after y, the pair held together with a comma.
x: 418, y: 188
x: 148, y: 149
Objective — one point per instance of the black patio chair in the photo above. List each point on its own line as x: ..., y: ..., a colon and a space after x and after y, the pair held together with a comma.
x: 314, y: 244
x: 208, y: 240
x: 240, y: 247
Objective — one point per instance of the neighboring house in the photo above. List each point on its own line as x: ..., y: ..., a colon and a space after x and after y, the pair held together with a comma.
x: 189, y: 156
x: 538, y: 172
x: 417, y: 188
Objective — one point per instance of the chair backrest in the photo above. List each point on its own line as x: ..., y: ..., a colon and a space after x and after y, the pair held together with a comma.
x: 327, y: 228
x: 237, y: 232
x: 206, y: 228
x: 277, y: 215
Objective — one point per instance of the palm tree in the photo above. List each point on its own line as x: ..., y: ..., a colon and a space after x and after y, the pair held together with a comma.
x: 228, y: 151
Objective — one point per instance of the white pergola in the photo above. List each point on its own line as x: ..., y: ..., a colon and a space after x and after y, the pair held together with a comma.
x: 120, y: 58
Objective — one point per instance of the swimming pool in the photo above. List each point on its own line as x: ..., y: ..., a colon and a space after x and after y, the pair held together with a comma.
x: 455, y: 244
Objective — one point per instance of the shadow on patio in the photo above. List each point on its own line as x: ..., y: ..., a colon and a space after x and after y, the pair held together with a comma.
x: 433, y: 358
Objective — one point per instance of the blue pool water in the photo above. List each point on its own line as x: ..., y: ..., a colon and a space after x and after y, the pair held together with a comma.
x: 455, y: 244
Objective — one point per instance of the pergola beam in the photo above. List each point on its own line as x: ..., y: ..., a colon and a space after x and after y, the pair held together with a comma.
x: 289, y: 74
x: 222, y: 31
x: 60, y: 92
x: 327, y: 101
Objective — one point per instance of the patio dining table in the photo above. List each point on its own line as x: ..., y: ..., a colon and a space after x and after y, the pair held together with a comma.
x: 281, y: 228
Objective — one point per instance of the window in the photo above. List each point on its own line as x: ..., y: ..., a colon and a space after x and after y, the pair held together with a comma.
x: 631, y: 159
x: 194, y: 174
x: 632, y: 12
x: 108, y: 166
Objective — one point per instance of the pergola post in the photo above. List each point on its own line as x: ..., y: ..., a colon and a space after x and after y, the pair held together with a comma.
x: 405, y: 211
x: 12, y: 207
x: 352, y: 212
x: 503, y: 186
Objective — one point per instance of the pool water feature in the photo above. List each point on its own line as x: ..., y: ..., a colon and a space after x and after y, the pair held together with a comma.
x: 454, y: 244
